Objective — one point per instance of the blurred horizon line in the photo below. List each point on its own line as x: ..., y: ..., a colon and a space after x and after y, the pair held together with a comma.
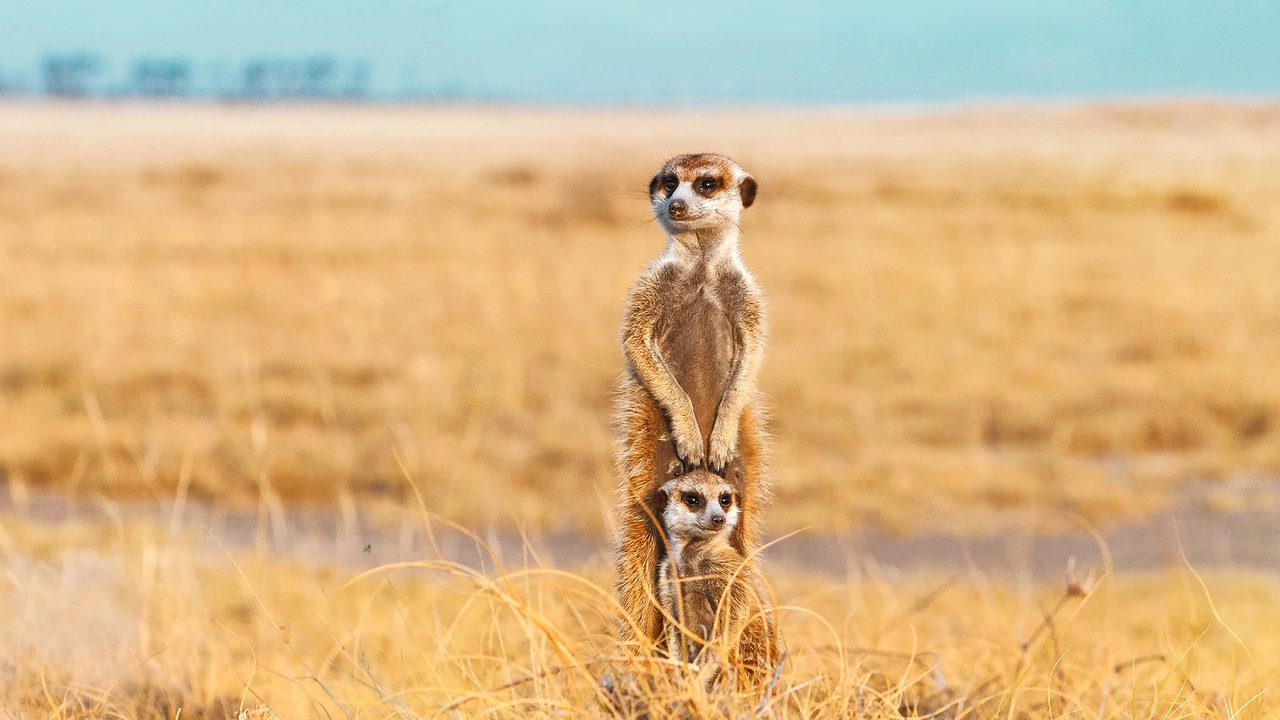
x: 330, y: 78
x: 924, y: 106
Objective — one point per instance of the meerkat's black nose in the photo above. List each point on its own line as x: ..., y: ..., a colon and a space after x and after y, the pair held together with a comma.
x: 677, y: 209
x: 717, y: 520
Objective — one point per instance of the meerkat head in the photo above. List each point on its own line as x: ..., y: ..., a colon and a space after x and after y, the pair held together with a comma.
x: 701, y: 191
x: 699, y: 505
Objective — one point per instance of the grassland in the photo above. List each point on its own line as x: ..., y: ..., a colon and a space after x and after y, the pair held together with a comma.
x: 135, y: 621
x: 979, y: 317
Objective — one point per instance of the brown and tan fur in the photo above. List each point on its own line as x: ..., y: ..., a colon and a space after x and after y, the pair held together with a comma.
x: 693, y: 338
x: 718, y: 610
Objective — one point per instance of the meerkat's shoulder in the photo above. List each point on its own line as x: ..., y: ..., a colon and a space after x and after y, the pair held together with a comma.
x: 649, y: 292
x: 735, y: 272
x: 667, y: 267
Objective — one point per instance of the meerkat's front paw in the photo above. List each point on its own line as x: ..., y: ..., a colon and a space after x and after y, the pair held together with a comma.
x: 689, y: 448
x: 724, y: 445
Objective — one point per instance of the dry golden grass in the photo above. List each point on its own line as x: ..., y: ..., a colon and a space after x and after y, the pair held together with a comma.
x: 131, y: 621
x: 978, y: 316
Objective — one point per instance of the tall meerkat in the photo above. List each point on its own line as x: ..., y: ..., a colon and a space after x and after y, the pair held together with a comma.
x: 693, y: 337
x: 718, y: 609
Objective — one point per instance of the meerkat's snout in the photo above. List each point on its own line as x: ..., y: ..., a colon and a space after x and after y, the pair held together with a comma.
x: 677, y: 209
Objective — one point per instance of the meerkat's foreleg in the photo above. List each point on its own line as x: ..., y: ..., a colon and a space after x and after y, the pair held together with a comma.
x: 742, y: 386
x: 641, y: 349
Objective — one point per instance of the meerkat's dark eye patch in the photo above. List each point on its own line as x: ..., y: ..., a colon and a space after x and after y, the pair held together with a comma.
x: 693, y: 500
x: 670, y: 182
x: 707, y: 185
x: 726, y: 499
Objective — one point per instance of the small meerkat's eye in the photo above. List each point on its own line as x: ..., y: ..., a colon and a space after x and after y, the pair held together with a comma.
x: 726, y: 499
x: 692, y: 499
x: 708, y: 185
x: 670, y: 182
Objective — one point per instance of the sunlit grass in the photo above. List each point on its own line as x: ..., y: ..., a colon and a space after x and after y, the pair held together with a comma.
x: 134, y: 621
x: 980, y: 319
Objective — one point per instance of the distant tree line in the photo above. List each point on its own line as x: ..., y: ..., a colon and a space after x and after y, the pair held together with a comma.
x: 259, y: 79
x: 70, y: 75
x: 319, y: 77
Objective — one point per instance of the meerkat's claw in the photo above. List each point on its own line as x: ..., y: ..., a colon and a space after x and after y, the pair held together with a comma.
x: 718, y: 463
x: 687, y: 467
x: 680, y: 468
x: 721, y: 455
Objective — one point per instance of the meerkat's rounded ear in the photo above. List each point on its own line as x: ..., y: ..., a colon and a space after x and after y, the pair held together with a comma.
x: 660, y: 499
x: 747, y: 191
x: 653, y: 184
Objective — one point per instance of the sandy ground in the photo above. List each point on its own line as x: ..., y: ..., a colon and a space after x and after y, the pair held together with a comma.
x: 139, y: 135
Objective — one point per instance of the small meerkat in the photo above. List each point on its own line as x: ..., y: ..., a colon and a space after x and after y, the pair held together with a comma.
x: 713, y: 595
x: 693, y: 337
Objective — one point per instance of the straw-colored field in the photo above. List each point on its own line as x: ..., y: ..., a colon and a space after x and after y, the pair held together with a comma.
x: 981, y: 319
x: 1047, y: 311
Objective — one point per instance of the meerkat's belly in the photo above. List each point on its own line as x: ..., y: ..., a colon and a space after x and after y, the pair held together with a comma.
x: 698, y: 347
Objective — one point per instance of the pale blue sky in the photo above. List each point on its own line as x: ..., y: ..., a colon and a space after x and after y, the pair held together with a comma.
x: 803, y: 51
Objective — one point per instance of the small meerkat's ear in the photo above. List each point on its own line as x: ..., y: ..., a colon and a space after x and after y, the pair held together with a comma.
x: 747, y: 191
x: 660, y: 499
x: 653, y: 184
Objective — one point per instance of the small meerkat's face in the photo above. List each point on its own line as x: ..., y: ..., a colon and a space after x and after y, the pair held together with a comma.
x: 699, y: 505
x: 695, y: 192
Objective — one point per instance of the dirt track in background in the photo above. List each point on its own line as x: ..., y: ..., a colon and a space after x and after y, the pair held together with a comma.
x: 324, y: 535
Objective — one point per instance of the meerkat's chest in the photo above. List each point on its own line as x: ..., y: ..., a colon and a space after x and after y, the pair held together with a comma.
x: 701, y: 580
x: 698, y: 344
x: 695, y: 310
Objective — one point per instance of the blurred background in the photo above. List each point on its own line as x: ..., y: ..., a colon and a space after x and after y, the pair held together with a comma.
x: 562, y: 51
x: 1020, y: 258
